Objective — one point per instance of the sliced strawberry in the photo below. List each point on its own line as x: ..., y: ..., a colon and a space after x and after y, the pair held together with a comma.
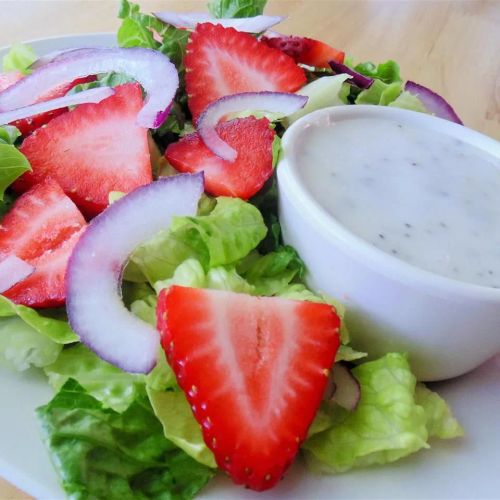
x: 305, y: 50
x: 251, y: 138
x: 28, y: 125
x: 222, y: 61
x: 42, y: 227
x: 95, y: 149
x: 254, y: 370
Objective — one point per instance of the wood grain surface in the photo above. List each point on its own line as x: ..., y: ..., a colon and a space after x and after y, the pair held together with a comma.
x: 452, y: 47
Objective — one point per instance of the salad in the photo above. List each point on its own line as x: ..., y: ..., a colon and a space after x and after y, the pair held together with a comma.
x: 143, y: 270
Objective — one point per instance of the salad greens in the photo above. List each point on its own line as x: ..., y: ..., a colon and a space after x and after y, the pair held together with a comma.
x: 394, y: 418
x: 100, y: 453
x: 112, y: 434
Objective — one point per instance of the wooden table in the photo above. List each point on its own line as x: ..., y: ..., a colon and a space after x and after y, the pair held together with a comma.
x: 452, y: 47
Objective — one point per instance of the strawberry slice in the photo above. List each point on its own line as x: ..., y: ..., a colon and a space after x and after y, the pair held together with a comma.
x: 42, y: 227
x: 28, y: 125
x: 305, y: 50
x: 95, y: 149
x: 222, y: 61
x: 251, y: 138
x: 254, y: 370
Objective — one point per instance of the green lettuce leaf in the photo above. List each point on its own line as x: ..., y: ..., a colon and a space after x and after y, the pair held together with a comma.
x: 387, y: 72
x: 110, y: 385
x: 19, y: 58
x: 9, y: 134
x: 380, y: 93
x: 21, y: 346
x: 408, y: 101
x: 224, y: 236
x: 272, y: 273
x: 322, y: 93
x: 439, y: 420
x: 236, y: 8
x: 179, y: 425
x: 100, y: 453
x: 50, y: 323
x: 394, y: 418
x: 142, y: 30
x: 12, y: 164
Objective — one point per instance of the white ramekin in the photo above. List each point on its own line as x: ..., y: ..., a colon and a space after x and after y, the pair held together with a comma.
x: 447, y: 327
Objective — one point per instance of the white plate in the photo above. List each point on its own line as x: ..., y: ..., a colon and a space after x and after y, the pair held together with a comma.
x: 465, y: 468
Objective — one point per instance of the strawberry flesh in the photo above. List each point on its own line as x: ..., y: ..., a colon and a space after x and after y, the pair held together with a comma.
x: 28, y: 125
x: 254, y: 370
x: 42, y: 227
x: 95, y: 149
x: 222, y: 61
x: 253, y: 141
x: 305, y: 50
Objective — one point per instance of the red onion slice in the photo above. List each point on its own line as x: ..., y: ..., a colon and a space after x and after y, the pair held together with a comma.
x: 361, y: 81
x: 280, y: 103
x: 434, y: 103
x: 87, y: 96
x: 256, y: 24
x: 153, y: 70
x: 348, y: 391
x: 12, y: 271
x: 343, y: 388
x: 93, y: 279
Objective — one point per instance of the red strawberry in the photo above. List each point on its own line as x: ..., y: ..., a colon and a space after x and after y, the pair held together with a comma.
x: 222, y: 61
x: 251, y: 138
x: 28, y: 125
x: 305, y: 50
x: 42, y: 227
x: 254, y: 370
x: 95, y: 149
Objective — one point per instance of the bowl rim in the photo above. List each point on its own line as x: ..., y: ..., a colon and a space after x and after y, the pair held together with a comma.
x: 290, y: 185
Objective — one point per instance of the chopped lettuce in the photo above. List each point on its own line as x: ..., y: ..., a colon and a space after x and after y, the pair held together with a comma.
x: 113, y: 387
x: 236, y: 8
x: 387, y: 72
x: 12, y: 162
x: 21, y: 346
x: 179, y: 425
x: 391, y: 421
x: 100, y: 453
x: 50, y: 323
x: 142, y: 30
x: 224, y: 236
x: 406, y: 100
x: 9, y: 134
x: 439, y: 420
x: 380, y: 93
x: 19, y: 58
x: 322, y: 93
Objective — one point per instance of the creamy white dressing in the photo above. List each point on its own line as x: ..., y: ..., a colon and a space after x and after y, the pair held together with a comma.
x: 425, y: 198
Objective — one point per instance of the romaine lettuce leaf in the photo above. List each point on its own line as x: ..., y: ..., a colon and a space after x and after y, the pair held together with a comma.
x: 19, y: 58
x: 9, y: 134
x: 179, y: 425
x: 224, y: 236
x: 236, y: 8
x: 439, y: 420
x: 100, y: 453
x: 142, y: 30
x: 406, y: 100
x: 390, y: 422
x: 322, y: 93
x: 113, y: 387
x: 12, y: 164
x: 387, y: 72
x: 22, y: 346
